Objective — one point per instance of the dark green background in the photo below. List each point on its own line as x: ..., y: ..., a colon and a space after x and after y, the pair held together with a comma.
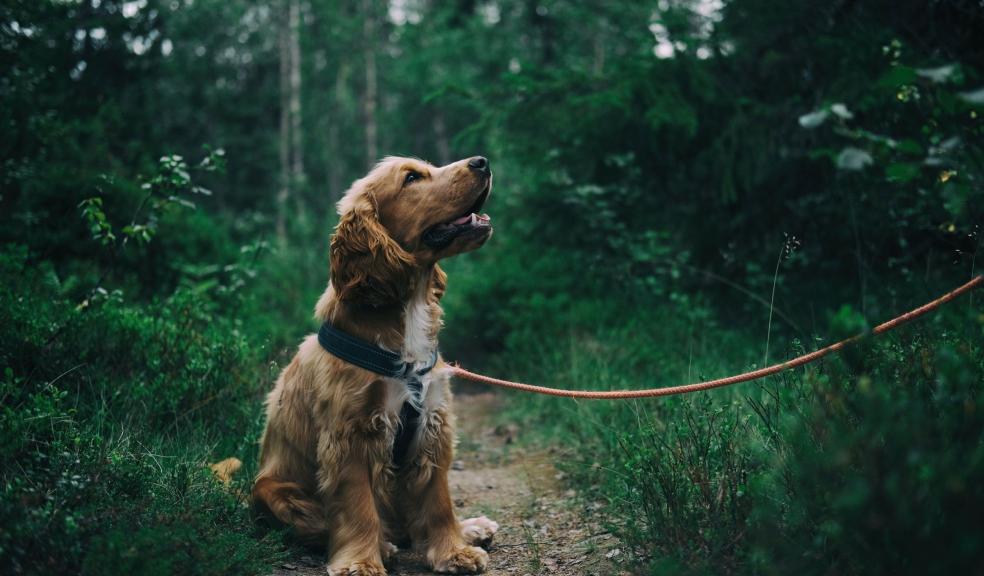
x: 683, y: 190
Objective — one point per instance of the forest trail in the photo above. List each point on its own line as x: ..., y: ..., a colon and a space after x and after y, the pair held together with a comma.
x: 542, y: 529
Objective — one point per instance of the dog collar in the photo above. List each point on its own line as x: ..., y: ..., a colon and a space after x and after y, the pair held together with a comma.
x: 385, y: 363
x: 369, y: 356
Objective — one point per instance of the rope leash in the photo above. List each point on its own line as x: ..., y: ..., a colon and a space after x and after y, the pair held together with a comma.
x: 976, y: 282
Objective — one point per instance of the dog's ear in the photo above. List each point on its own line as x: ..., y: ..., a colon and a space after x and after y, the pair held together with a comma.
x: 438, y: 283
x: 367, y: 265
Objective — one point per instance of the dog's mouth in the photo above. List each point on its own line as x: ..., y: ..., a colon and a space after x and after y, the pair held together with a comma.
x: 471, y: 222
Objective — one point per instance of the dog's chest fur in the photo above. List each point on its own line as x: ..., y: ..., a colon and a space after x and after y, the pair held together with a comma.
x: 420, y: 323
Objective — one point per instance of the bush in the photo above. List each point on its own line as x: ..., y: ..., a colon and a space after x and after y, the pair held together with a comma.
x: 94, y: 476
x: 869, y: 462
x: 880, y: 472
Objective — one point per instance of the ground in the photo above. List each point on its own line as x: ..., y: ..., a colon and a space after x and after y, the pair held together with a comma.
x: 544, y: 528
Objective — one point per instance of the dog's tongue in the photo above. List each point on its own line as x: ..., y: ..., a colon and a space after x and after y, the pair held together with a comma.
x: 463, y: 219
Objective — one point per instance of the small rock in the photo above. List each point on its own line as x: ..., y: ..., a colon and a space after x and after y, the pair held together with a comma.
x: 457, y: 465
x: 288, y: 566
x: 613, y: 553
x: 309, y: 561
x: 459, y: 503
x: 507, y: 431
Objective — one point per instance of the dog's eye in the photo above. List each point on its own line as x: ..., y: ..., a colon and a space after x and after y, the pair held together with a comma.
x: 411, y: 177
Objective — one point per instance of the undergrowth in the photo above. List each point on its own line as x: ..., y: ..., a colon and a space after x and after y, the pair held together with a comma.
x: 108, y: 417
x: 867, y: 462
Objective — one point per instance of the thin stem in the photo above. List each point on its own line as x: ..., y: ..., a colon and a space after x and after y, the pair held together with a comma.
x: 772, y: 300
x: 973, y: 263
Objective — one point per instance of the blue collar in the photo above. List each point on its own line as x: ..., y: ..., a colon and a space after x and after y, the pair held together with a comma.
x: 385, y: 363
x: 369, y: 356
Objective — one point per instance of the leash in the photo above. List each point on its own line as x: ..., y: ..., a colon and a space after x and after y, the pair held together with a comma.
x: 728, y: 381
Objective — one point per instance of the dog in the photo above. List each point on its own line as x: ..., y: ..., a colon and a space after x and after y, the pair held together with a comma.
x: 329, y: 463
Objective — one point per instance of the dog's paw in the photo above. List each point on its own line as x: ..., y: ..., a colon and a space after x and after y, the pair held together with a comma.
x: 479, y: 531
x: 388, y: 551
x: 464, y: 560
x: 361, y: 568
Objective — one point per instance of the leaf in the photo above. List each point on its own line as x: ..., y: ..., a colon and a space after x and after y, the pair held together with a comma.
x: 182, y: 201
x: 897, y: 76
x: 901, y: 172
x: 841, y: 111
x: 910, y: 146
x: 813, y: 119
x: 847, y: 322
x: 853, y: 159
x: 973, y: 96
x: 937, y: 75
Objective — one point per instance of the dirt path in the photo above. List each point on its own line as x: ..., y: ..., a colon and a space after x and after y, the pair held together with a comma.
x: 541, y: 529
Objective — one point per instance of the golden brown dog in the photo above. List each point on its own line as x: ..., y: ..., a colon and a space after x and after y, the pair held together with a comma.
x: 326, y: 461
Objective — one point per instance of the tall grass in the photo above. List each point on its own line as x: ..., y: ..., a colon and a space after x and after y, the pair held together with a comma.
x: 865, y: 463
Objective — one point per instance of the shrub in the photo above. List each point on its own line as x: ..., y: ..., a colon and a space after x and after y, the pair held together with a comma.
x: 109, y: 412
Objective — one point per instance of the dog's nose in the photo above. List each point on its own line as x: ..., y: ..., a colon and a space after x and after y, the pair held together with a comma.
x: 479, y: 163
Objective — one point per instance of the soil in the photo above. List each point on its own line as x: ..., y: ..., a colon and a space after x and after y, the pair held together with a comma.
x: 542, y: 527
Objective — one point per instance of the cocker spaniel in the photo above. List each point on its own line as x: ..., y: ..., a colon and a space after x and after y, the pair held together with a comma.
x: 359, y: 433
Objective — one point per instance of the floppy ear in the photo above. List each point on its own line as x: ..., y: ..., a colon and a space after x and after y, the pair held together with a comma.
x: 438, y: 283
x: 367, y: 265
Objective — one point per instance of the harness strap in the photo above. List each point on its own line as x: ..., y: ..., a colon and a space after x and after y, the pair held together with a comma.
x: 385, y: 363
x: 410, y: 413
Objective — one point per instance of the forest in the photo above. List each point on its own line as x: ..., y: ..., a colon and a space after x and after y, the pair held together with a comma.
x: 684, y: 190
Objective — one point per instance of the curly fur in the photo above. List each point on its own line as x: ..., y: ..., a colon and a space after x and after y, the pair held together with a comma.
x: 326, y: 454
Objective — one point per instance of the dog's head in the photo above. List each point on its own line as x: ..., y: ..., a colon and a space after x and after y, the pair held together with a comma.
x: 405, y: 215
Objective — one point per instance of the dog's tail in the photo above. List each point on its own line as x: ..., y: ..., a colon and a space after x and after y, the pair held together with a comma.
x: 288, y: 504
x: 226, y: 469
x: 285, y: 503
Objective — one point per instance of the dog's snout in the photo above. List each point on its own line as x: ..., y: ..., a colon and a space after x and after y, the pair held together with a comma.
x: 480, y: 164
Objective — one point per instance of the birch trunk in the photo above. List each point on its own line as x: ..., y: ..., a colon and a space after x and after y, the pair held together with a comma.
x: 283, y: 194
x: 333, y: 159
x: 296, y: 135
x: 369, y: 102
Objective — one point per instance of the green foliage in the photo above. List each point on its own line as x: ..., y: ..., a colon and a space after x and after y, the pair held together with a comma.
x: 93, y: 481
x: 844, y: 468
x: 650, y: 160
x: 92, y: 212
x: 878, y: 473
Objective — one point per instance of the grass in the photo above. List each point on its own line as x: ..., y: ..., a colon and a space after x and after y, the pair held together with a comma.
x: 867, y: 462
x: 851, y: 465
x: 532, y: 547
x: 109, y: 414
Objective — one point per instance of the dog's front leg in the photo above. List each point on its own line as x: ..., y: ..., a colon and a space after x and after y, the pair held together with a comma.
x: 346, y: 473
x: 432, y: 522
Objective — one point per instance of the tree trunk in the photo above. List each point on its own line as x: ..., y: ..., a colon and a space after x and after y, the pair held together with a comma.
x: 283, y: 195
x: 333, y: 160
x: 441, y: 136
x: 296, y: 135
x: 369, y: 102
x: 598, y: 65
